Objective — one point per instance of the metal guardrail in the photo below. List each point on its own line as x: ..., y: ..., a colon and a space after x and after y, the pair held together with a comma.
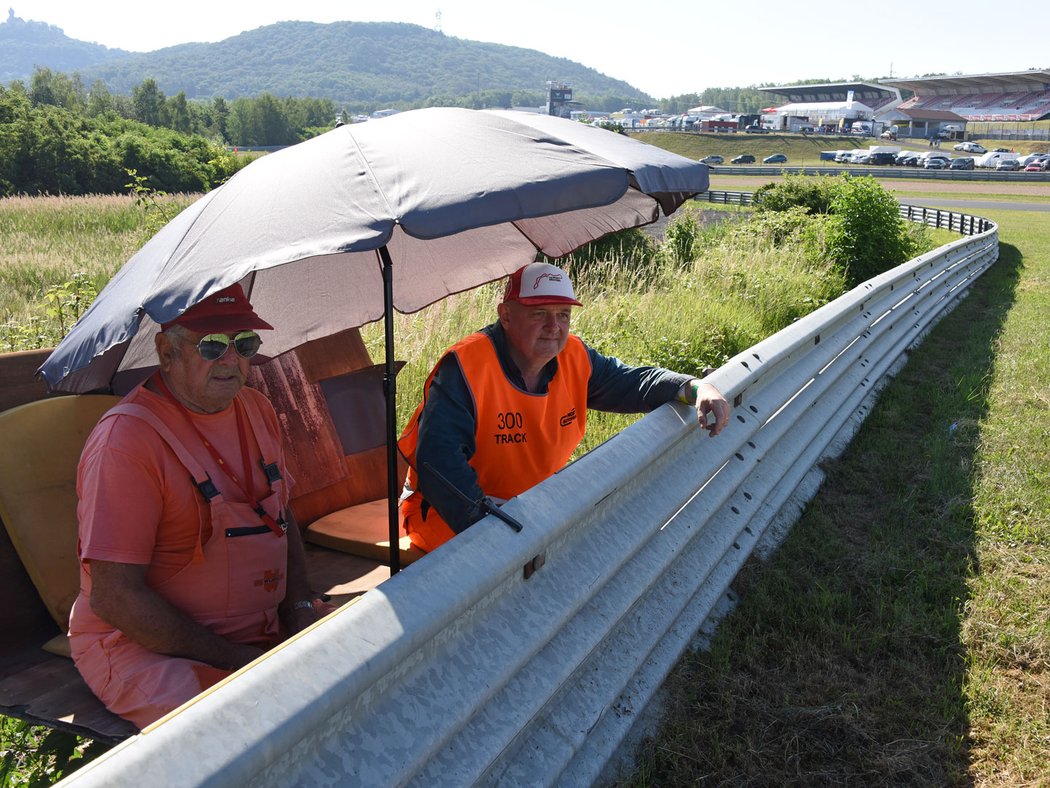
x: 528, y: 658
x: 962, y: 223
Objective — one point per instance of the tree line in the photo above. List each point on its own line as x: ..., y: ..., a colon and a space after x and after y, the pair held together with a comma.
x: 58, y: 137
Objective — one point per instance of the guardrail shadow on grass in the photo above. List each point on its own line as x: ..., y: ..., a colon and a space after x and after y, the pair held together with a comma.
x: 844, y: 661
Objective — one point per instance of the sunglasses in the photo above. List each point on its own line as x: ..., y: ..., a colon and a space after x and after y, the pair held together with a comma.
x: 214, y: 346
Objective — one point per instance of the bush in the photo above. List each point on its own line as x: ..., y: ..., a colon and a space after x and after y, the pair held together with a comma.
x: 815, y: 195
x: 681, y: 239
x: 51, y: 150
x: 866, y: 235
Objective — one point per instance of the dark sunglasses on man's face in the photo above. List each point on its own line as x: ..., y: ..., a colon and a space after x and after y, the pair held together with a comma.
x: 214, y: 346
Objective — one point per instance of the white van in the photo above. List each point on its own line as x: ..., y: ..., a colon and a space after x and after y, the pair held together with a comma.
x: 992, y: 158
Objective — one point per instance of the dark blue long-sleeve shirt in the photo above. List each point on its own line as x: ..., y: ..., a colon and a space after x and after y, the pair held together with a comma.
x: 447, y: 422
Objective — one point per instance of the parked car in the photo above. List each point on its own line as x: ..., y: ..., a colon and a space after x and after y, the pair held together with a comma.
x: 714, y: 158
x: 882, y: 157
x: 776, y: 158
x: 843, y: 156
x: 1008, y: 165
x: 970, y: 147
x: 1037, y: 166
x: 1026, y: 160
x: 991, y: 159
x: 936, y: 163
x: 860, y: 157
x: 961, y: 163
x: 756, y: 130
x: 743, y: 158
x: 908, y: 158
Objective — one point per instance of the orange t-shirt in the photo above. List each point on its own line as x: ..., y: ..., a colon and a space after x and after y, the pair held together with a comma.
x: 137, y: 502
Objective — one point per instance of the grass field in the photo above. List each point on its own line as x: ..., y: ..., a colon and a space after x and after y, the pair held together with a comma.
x: 900, y: 636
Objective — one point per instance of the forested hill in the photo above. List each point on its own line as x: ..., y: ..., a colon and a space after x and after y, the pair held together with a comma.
x: 357, y: 64
x: 24, y: 45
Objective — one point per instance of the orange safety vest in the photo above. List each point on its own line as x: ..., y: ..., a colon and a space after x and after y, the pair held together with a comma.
x: 521, y: 438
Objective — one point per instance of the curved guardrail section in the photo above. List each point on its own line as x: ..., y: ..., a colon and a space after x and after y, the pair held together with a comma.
x: 527, y: 658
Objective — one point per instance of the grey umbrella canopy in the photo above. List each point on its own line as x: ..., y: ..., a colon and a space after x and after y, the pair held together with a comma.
x: 342, y: 229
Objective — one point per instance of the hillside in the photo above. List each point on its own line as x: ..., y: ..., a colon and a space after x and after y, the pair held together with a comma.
x: 353, y: 63
x: 26, y: 44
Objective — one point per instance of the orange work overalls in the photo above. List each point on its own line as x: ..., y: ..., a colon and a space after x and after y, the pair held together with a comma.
x: 232, y: 585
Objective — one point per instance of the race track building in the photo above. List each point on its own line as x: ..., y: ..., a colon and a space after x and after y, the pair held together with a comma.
x: 1015, y: 96
x: 940, y: 106
x: 836, y: 106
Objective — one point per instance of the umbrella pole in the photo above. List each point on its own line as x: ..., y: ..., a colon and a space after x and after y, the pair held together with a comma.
x: 390, y: 389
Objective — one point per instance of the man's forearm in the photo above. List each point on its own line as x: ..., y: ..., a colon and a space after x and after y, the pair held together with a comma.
x: 298, y: 586
x: 446, y: 442
x: 121, y: 597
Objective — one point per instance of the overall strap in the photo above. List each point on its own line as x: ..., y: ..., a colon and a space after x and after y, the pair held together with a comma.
x: 279, y: 527
x: 200, y: 476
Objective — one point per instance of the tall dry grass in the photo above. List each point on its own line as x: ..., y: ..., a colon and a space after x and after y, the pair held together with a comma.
x: 46, y: 240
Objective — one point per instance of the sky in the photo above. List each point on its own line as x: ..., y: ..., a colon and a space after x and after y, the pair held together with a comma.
x: 679, y: 47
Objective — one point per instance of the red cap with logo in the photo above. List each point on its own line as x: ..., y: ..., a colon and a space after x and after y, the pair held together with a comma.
x: 540, y: 283
x: 221, y: 312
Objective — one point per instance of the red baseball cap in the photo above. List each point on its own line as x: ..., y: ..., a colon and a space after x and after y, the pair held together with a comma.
x: 221, y: 312
x: 540, y: 283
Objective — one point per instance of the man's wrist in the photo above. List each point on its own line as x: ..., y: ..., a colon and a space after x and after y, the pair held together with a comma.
x: 688, y: 390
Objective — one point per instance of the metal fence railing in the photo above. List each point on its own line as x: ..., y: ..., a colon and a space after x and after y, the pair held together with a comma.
x: 962, y: 223
x: 528, y: 658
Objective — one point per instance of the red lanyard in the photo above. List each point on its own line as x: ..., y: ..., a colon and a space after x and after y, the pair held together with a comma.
x: 242, y: 436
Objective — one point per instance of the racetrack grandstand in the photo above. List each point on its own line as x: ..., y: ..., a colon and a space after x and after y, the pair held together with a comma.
x: 834, y: 106
x: 1011, y: 97
x: 871, y: 95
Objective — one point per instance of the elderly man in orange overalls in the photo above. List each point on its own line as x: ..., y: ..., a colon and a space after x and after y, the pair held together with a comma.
x: 190, y: 564
x: 506, y: 407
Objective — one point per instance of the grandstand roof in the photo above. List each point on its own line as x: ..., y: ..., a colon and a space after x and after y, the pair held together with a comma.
x: 835, y: 91
x: 1029, y: 81
x: 873, y: 95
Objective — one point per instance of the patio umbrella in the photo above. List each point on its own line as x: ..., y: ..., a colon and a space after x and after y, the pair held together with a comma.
x: 342, y: 229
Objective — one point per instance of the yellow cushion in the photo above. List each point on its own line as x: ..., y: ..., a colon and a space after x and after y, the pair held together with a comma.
x: 42, y: 442
x: 361, y: 530
x: 59, y: 646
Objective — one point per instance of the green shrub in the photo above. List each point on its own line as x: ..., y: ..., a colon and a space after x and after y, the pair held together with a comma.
x: 815, y: 195
x: 866, y: 235
x: 51, y: 150
x: 61, y: 307
x: 681, y: 239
